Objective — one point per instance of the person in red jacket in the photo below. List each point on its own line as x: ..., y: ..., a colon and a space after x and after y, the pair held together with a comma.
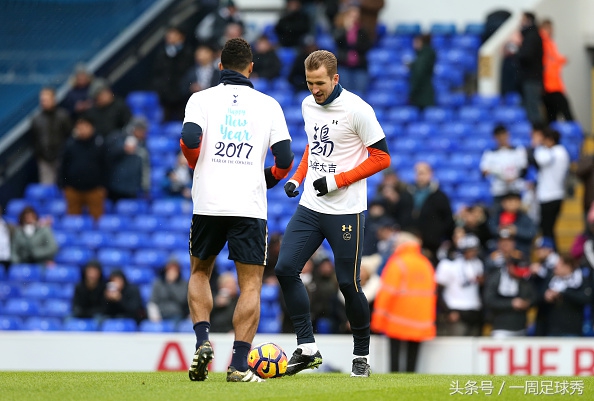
x: 405, y: 305
x: 554, y: 97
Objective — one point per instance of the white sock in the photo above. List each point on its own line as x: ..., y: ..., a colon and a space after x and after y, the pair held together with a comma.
x: 308, y: 348
x: 361, y: 356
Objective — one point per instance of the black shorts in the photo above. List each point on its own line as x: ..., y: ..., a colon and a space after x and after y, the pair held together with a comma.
x: 247, y: 238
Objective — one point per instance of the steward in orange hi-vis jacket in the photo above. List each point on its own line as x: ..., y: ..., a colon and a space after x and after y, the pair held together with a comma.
x: 405, y: 305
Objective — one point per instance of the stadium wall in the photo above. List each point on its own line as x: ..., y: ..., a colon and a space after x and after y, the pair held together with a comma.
x: 27, y: 351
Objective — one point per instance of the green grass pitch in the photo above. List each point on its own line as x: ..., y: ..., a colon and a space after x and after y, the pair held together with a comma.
x: 160, y: 386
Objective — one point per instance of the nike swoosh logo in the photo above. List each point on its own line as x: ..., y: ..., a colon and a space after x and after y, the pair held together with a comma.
x: 295, y: 364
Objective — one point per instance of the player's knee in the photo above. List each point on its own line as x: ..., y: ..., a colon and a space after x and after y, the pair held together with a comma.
x: 283, y: 268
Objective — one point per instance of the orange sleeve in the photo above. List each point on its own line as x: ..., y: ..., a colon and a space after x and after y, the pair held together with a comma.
x: 302, y: 168
x: 376, y: 162
x: 190, y: 154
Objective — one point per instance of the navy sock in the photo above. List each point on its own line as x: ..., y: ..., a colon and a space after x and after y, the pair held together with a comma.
x: 201, y: 329
x: 241, y: 349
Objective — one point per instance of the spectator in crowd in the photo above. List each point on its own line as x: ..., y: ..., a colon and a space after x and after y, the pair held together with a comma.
x: 504, y: 166
x: 33, y: 240
x: 510, y: 66
x: 224, y: 302
x: 370, y: 279
x: 89, y: 295
x: 582, y: 248
x: 83, y: 169
x: 387, y: 233
x: 552, y: 161
x: 274, y: 242
x: 169, y: 296
x: 505, y: 249
x: 5, y: 247
x: 370, y: 10
x: 178, y: 180
x: 267, y: 65
x: 554, y: 98
x: 172, y: 61
x: 327, y: 314
x: 459, y: 290
x: 530, y: 58
x: 421, y: 93
x: 404, y: 308
x: 50, y: 129
x: 376, y: 214
x: 203, y: 74
x: 561, y: 304
x: 473, y: 220
x: 211, y: 30
x: 352, y: 45
x: 123, y: 299
x: 129, y: 163
x: 545, y: 258
x: 397, y: 201
x: 508, y: 296
x: 432, y: 214
x: 297, y: 74
x: 110, y: 113
x: 293, y: 25
x: 77, y: 100
x: 512, y: 218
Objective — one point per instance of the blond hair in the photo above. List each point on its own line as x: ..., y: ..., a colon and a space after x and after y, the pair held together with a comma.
x: 321, y: 58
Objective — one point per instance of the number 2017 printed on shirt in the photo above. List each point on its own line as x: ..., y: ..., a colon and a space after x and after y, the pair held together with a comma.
x: 231, y: 149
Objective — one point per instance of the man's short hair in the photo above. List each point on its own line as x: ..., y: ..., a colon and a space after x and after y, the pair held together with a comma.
x: 499, y: 129
x: 321, y: 58
x: 236, y: 54
x: 531, y: 17
x: 552, y: 134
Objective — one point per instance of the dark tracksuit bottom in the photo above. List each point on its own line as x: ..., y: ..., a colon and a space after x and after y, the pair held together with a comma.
x: 305, y: 233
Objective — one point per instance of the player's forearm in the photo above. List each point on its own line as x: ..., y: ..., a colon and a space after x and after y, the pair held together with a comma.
x: 302, y: 168
x: 378, y: 160
x: 191, y: 139
x: 283, y: 159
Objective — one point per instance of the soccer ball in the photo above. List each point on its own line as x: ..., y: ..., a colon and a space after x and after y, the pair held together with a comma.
x: 268, y: 360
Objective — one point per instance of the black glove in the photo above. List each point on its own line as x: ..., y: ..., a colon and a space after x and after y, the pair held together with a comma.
x: 270, y: 180
x: 321, y: 186
x: 290, y: 189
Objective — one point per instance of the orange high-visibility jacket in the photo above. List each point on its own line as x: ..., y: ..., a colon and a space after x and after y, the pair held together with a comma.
x: 404, y: 307
x: 552, y: 62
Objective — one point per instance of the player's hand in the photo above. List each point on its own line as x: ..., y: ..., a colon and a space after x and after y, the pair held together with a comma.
x: 290, y: 189
x: 321, y: 185
x: 270, y: 180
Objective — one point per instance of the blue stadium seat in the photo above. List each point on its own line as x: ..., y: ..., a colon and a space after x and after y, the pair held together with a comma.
x: 475, y: 29
x: 284, y: 98
x: 422, y: 130
x: 268, y: 325
x: 139, y: 275
x: 450, y: 176
x: 469, y: 42
x: 21, y: 307
x: 146, y: 290
x: 57, y: 308
x: 74, y: 255
x: 440, y: 28
x: 142, y: 100
x: 165, y: 326
x: 172, y: 129
x: 440, y: 42
x: 185, y: 326
x: 131, y: 207
x: 269, y: 293
x: 162, y: 144
x: 171, y: 206
x: 520, y: 130
x: 403, y: 115
x: 75, y: 324
x: 35, y: 191
x: 119, y: 325
x: 15, y: 206
x: 40, y: 291
x: 293, y: 116
x: 261, y: 84
x: 486, y: 101
x: 447, y: 99
x: 437, y: 114
x: 146, y: 223
x: 112, y: 222
x: 512, y: 99
x: 509, y: 115
x: 181, y: 224
x: 281, y: 84
x: 458, y: 130
x: 2, y: 274
x: 395, y: 42
x: 569, y: 129
x: 448, y: 75
x: 11, y: 323
x: 155, y: 258
x: 409, y: 29
x: 56, y: 207
x: 131, y: 240
x: 62, y: 274
x: 383, y: 56
x: 114, y: 256
x: 93, y: 239
x: 169, y: 240
x: 472, y: 114
x: 24, y: 273
x: 74, y: 223
x: 8, y: 291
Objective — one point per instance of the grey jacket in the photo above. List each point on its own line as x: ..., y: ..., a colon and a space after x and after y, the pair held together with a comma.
x: 38, y: 248
x: 171, y: 298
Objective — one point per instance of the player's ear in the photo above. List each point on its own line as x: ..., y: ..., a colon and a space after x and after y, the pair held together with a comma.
x: 335, y: 79
x: 251, y: 67
x: 221, y: 66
